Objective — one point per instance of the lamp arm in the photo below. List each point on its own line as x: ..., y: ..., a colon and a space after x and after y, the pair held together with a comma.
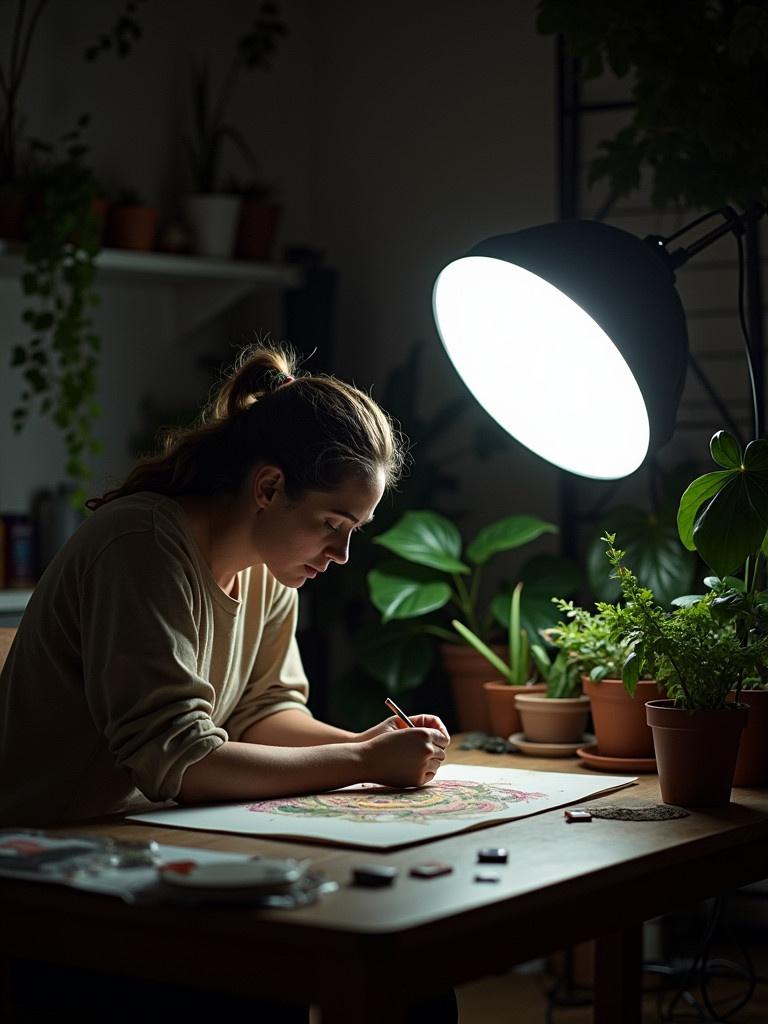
x: 736, y: 224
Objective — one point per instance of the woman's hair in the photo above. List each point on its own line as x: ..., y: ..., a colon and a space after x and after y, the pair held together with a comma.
x: 316, y: 429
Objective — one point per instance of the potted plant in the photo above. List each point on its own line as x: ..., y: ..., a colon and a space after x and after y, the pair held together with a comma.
x: 213, y: 213
x: 432, y: 571
x: 558, y: 716
x: 258, y: 222
x: 696, y: 653
x: 132, y: 223
x: 618, y: 715
x: 723, y: 516
x: 516, y: 675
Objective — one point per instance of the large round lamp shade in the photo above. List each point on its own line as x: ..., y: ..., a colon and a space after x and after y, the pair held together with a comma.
x: 573, y: 338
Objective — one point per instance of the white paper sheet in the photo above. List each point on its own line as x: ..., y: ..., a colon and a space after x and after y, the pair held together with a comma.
x: 460, y: 798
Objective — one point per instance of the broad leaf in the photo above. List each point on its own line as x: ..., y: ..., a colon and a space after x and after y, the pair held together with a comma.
x: 653, y: 549
x: 403, y: 591
x: 425, y: 538
x: 396, y: 655
x: 725, y: 450
x: 732, y: 525
x: 756, y: 457
x: 701, y: 490
x: 512, y: 532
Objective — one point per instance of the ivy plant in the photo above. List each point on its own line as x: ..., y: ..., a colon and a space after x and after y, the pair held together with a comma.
x: 58, y: 361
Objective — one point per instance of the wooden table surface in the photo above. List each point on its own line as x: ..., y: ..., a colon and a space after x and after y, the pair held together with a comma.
x: 564, y: 883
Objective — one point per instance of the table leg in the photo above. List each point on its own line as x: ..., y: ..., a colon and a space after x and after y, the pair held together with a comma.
x: 618, y: 977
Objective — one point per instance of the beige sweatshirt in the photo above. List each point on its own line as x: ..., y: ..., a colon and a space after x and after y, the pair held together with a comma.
x: 131, y: 663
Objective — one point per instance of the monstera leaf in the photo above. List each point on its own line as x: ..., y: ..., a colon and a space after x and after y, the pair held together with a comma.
x: 653, y: 549
x: 425, y: 538
x: 724, y: 514
x: 402, y: 590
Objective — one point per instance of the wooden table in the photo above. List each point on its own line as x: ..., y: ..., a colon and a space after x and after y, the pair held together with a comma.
x: 563, y: 884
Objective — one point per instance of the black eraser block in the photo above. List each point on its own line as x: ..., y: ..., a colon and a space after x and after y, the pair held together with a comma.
x: 493, y: 855
x: 374, y: 876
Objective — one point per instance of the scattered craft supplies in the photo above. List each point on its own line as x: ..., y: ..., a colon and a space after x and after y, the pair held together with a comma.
x: 151, y: 872
x: 461, y: 798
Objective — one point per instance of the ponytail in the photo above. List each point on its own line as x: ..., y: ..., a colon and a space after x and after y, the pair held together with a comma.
x: 316, y: 429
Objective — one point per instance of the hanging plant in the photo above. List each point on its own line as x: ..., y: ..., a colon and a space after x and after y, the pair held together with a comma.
x: 58, y: 362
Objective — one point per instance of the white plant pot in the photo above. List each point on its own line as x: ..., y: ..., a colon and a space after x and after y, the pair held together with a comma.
x: 213, y: 220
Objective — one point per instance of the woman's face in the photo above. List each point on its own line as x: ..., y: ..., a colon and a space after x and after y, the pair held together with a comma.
x: 297, y: 540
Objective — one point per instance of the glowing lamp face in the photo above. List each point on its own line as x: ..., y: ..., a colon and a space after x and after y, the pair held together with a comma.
x: 541, y: 367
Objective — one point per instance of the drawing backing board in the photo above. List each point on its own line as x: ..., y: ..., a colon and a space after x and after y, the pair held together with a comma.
x: 460, y: 798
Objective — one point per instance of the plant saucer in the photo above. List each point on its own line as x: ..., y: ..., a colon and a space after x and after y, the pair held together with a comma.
x: 538, y: 749
x: 590, y: 756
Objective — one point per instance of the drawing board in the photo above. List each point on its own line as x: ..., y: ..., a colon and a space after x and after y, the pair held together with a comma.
x: 461, y: 797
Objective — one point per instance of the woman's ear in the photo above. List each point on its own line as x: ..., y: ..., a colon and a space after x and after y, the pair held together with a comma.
x: 268, y: 483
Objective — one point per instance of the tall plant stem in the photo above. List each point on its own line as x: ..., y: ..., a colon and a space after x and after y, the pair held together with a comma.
x: 465, y: 603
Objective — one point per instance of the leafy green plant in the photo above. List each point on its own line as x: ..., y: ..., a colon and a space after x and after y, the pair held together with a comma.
x: 517, y: 671
x: 694, y: 651
x: 588, y: 638
x: 431, y: 573
x: 699, y: 79
x: 210, y: 128
x: 58, y: 363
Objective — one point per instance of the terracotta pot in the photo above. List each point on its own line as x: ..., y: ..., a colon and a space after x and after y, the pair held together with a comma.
x: 552, y: 719
x: 695, y: 752
x: 502, y: 710
x: 752, y: 760
x: 619, y: 720
x: 257, y: 229
x: 133, y: 227
x: 468, y: 672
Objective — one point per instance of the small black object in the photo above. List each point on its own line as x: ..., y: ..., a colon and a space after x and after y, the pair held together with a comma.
x: 498, y: 745
x: 374, y: 876
x: 493, y: 855
x: 432, y: 869
x: 487, y: 876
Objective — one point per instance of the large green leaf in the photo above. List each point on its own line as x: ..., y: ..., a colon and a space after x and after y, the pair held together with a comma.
x: 425, y: 538
x: 701, y: 490
x: 403, y: 591
x: 653, y: 549
x: 396, y: 655
x: 732, y: 525
x: 725, y: 450
x: 545, y: 577
x: 512, y: 532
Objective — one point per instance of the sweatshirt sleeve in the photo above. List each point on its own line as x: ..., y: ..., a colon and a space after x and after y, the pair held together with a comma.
x: 140, y: 638
x: 277, y: 681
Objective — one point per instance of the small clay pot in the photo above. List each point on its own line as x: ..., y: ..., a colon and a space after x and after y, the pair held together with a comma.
x: 621, y: 729
x: 552, y: 719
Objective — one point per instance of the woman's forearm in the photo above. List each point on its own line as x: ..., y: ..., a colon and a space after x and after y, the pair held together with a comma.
x: 295, y: 729
x: 242, y: 771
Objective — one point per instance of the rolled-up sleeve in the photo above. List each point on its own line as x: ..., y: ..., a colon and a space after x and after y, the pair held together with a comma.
x: 140, y: 638
x: 277, y: 680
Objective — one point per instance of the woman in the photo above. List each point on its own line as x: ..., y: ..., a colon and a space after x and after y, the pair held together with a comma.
x: 157, y: 658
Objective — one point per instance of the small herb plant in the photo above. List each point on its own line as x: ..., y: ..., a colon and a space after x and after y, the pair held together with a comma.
x: 694, y: 651
x: 589, y: 640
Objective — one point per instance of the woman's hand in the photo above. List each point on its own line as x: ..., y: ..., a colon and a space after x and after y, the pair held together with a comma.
x: 393, y: 724
x: 400, y: 756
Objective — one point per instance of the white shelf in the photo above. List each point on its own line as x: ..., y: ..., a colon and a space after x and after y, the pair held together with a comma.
x: 169, y: 268
x: 14, y: 600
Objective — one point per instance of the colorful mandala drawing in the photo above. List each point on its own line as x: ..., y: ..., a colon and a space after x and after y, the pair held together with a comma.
x: 452, y: 798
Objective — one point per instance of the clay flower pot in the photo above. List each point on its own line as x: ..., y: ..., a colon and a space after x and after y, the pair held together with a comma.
x: 752, y: 760
x: 502, y: 710
x: 552, y: 719
x: 213, y: 219
x: 133, y: 227
x: 257, y: 228
x: 695, y: 752
x: 468, y: 671
x: 621, y: 729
